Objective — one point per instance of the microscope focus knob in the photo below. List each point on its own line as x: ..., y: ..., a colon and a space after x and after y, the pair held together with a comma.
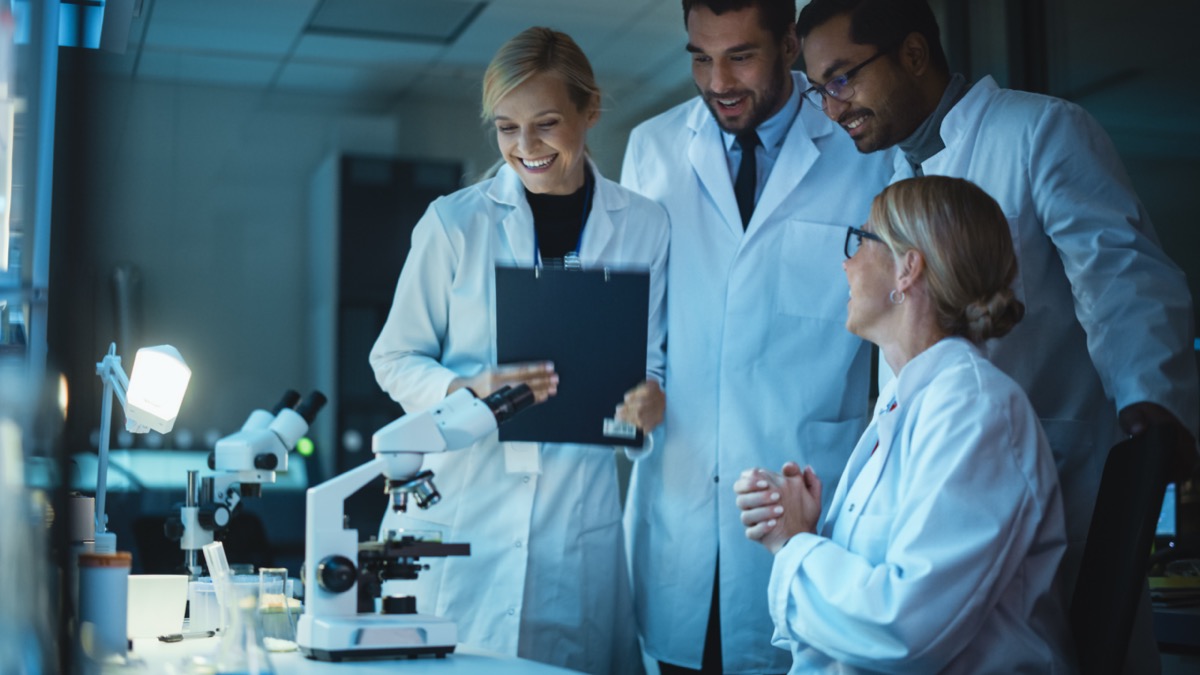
x: 213, y: 516
x: 266, y: 462
x: 173, y: 528
x: 336, y: 574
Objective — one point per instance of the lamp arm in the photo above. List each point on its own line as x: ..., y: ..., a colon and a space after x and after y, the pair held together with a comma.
x: 116, y: 382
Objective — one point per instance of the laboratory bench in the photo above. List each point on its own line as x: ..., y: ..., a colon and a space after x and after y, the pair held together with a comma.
x: 149, y: 655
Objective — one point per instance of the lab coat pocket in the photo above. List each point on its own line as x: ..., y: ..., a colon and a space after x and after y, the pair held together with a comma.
x: 870, y: 536
x: 1018, y: 284
x: 811, y: 280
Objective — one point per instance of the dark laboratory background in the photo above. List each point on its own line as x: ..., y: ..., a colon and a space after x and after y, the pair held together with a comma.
x: 239, y: 180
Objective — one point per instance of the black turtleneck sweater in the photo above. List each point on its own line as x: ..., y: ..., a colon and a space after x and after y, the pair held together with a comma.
x: 558, y: 220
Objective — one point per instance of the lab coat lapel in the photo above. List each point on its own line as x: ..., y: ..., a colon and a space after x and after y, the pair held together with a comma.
x: 599, y: 234
x: 515, y: 235
x: 796, y: 157
x: 961, y: 123
x: 706, y: 153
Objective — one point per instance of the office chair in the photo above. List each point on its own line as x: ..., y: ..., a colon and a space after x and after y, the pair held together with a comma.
x: 1112, y: 574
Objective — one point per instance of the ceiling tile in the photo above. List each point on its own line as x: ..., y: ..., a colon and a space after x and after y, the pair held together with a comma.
x: 243, y: 26
x: 206, y: 68
x: 346, y: 50
x: 346, y: 80
x: 416, y: 20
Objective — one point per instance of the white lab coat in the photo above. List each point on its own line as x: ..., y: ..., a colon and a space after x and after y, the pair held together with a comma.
x: 1083, y: 241
x: 940, y: 550
x: 546, y: 578
x: 760, y: 367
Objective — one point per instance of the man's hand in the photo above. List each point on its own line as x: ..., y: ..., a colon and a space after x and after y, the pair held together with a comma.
x: 1138, y: 417
x: 644, y: 406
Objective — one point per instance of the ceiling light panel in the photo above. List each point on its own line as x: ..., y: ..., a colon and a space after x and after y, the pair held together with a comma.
x: 405, y: 20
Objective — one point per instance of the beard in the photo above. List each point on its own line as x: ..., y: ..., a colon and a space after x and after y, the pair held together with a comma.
x: 763, y: 103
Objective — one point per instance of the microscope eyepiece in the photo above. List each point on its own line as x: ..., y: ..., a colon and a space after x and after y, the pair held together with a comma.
x: 290, y: 398
x: 312, y: 405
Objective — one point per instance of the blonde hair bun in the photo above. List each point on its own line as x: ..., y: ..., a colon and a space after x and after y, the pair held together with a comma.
x: 992, y: 317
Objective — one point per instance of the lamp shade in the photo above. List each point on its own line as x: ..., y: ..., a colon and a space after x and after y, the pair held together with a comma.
x: 156, y: 388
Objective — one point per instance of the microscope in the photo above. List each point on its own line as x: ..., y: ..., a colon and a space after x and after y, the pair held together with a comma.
x: 343, y: 578
x: 242, y: 462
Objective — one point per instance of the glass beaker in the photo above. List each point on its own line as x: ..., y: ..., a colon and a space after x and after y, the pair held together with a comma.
x: 275, y: 611
x: 241, y: 650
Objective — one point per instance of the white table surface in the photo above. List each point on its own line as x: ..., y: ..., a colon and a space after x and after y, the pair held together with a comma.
x: 151, y: 656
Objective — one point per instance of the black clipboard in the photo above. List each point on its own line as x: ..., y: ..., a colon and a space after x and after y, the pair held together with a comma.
x: 592, y: 324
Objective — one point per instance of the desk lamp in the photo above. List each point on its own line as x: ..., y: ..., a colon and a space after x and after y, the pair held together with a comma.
x: 150, y: 399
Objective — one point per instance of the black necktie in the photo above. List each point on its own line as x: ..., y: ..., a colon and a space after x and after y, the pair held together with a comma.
x: 747, y: 176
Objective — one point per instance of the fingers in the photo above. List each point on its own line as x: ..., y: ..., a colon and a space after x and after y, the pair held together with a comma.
x: 752, y: 517
x: 538, y: 375
x: 758, y: 498
x: 761, y: 530
x: 644, y: 406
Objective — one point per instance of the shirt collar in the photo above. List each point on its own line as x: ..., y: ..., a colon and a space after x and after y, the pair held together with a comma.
x: 773, y: 131
x: 925, y: 366
x: 927, y: 141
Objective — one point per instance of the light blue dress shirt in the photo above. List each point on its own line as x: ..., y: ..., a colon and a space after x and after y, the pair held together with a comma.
x: 771, y: 135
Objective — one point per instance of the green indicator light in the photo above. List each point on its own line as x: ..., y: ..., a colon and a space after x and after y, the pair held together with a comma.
x: 304, y: 446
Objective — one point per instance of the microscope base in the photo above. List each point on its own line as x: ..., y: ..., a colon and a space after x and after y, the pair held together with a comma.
x: 375, y: 636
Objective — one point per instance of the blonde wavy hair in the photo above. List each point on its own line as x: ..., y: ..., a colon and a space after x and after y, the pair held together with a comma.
x: 535, y: 51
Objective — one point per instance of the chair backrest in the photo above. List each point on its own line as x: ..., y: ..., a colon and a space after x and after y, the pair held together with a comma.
x: 1112, y: 574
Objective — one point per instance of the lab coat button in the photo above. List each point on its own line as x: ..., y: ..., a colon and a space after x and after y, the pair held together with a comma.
x: 716, y: 479
x: 511, y: 611
x: 517, y: 544
x: 525, y: 479
x: 851, y: 508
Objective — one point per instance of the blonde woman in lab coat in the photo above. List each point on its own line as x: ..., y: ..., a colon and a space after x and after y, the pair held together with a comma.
x: 546, y: 578
x: 941, y: 548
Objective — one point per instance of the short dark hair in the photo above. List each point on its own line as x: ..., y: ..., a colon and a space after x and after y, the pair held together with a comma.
x: 776, y: 16
x: 882, y: 23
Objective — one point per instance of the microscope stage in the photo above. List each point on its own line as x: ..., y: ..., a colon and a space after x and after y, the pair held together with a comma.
x: 376, y: 636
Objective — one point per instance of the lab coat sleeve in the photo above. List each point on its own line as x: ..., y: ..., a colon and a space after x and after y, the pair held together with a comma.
x: 629, y: 165
x: 656, y: 338
x: 1131, y: 299
x: 406, y: 355
x: 955, y: 539
x: 656, y: 326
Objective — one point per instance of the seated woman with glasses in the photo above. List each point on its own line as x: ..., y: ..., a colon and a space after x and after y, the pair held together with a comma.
x: 941, y: 548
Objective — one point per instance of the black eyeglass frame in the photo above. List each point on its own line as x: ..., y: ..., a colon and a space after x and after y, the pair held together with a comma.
x: 853, y: 232
x: 818, y: 94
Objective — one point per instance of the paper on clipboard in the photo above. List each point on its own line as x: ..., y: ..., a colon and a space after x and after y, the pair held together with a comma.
x: 592, y: 325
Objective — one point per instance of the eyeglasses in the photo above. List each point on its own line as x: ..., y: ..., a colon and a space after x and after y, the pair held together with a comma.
x: 854, y: 240
x: 839, y: 88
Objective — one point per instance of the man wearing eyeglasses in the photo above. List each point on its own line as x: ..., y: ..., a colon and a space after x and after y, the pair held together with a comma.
x: 1108, y: 324
x: 760, y: 370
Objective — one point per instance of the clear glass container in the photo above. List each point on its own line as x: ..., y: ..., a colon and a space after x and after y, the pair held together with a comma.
x: 241, y: 650
x: 276, y: 612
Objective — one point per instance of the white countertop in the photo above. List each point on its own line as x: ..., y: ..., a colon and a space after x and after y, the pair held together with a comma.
x: 151, y: 656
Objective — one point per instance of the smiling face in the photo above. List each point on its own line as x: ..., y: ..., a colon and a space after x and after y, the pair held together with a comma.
x: 886, y: 106
x: 542, y: 134
x: 741, y: 70
x: 871, y: 274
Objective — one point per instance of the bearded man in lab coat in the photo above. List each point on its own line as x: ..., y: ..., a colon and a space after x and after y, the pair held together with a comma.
x: 759, y: 367
x: 1106, y: 343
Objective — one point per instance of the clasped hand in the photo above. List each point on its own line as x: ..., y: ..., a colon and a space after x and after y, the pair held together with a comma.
x: 777, y: 506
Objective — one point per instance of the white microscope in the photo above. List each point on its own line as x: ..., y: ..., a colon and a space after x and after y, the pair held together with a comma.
x: 243, y: 461
x: 342, y: 577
